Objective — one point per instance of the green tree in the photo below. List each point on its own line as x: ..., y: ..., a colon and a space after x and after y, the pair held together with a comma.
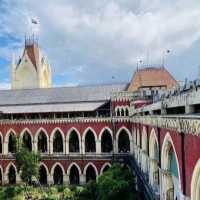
x: 27, y: 164
x: 116, y: 183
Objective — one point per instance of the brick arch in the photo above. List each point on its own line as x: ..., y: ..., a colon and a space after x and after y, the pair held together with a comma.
x: 54, y: 166
x: 41, y: 129
x: 71, y: 165
x: 103, y: 167
x: 6, y: 139
x: 51, y: 139
x: 93, y: 165
x: 129, y: 135
x: 167, y: 142
x: 84, y: 135
x: 68, y: 136
x: 153, y: 140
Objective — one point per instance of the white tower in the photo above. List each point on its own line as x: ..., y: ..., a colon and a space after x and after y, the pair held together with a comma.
x: 32, y: 70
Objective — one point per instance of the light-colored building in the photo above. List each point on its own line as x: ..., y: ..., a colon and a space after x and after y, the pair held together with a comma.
x: 32, y: 70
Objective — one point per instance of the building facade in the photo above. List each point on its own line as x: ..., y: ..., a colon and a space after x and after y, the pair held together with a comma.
x: 80, y: 130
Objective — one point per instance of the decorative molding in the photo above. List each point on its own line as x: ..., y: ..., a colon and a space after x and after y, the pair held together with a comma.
x: 190, y: 125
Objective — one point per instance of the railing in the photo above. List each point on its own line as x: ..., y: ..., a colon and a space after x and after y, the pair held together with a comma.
x: 142, y: 182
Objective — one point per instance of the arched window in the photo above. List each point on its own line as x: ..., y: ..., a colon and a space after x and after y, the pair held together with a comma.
x: 123, y: 142
x: 169, y: 162
x: 58, y: 175
x: 118, y: 112
x: 74, y: 176
x: 90, y: 144
x: 1, y: 144
x: 122, y: 112
x: 106, y: 142
x: 42, y: 175
x: 12, y: 143
x: 57, y: 142
x: 11, y: 175
x: 126, y: 112
x: 73, y: 142
x: 42, y: 142
x: 26, y: 141
x: 90, y: 174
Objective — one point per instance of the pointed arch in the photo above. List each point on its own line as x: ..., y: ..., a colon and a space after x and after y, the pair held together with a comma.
x: 154, y: 158
x: 42, y: 144
x: 11, y: 173
x: 74, y: 173
x: 89, y: 140
x: 90, y: 171
x: 43, y: 174
x: 73, y: 141
x: 70, y: 166
x: 195, y: 182
x: 106, y: 139
x: 124, y: 144
x: 60, y: 165
x: 56, y: 144
x: 11, y: 142
x: 58, y: 172
x: 169, y: 162
x: 105, y: 165
x: 27, y: 139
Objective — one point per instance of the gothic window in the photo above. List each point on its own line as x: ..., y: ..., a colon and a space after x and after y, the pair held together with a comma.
x: 74, y: 176
x: 90, y: 174
x: 12, y: 143
x: 57, y: 142
x: 123, y: 142
x: 42, y: 175
x: 42, y: 142
x: 73, y: 142
x: 11, y: 175
x: 27, y: 142
x: 58, y: 175
x: 118, y: 112
x: 106, y: 142
x: 90, y: 144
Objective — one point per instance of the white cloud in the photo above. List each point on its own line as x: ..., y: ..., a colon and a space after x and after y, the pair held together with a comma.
x: 106, y: 37
x: 5, y: 86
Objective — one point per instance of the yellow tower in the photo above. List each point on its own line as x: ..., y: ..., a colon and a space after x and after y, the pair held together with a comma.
x: 32, y: 70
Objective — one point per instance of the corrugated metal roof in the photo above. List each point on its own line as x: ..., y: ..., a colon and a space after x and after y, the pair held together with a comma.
x: 67, y: 107
x: 94, y: 93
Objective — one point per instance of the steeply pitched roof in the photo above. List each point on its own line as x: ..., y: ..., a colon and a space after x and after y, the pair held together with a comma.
x: 32, y: 51
x: 151, y: 77
x: 96, y: 93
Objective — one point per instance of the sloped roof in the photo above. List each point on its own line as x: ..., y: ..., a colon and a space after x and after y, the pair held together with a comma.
x: 32, y: 51
x: 95, y: 93
x: 151, y: 77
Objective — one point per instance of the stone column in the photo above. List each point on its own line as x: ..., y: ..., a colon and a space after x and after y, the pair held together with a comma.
x: 82, y: 179
x: 50, y: 179
x: 5, y: 148
x: 66, y: 179
x: 51, y: 146
x: 98, y: 146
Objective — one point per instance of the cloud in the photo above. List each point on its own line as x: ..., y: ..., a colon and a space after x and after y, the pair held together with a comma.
x: 5, y: 86
x: 90, y: 41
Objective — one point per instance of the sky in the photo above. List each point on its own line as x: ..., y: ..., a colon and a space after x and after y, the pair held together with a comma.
x: 102, y: 41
